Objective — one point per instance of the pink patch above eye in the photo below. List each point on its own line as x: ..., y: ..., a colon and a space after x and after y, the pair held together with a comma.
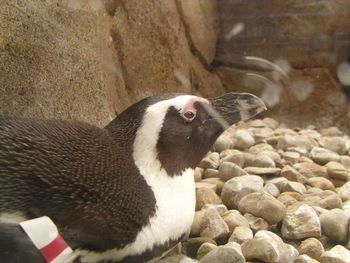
x: 190, y: 106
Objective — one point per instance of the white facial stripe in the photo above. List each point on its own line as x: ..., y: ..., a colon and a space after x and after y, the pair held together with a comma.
x: 172, y: 194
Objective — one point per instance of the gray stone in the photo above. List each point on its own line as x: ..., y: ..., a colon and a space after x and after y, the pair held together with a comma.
x: 272, y: 189
x: 293, y: 187
x: 210, y: 173
x: 228, y: 170
x: 323, y: 156
x: 335, y: 224
x: 325, y: 199
x: 236, y: 188
x: 344, y: 192
x: 206, y: 196
x: 212, y: 160
x: 256, y: 223
x: 241, y: 234
x: 233, y: 219
x: 301, y: 221
x: 337, y: 254
x: 215, y: 227
x: 199, y: 223
x: 204, y: 249
x: 311, y: 247
x: 224, y: 254
x: 243, y: 139
x: 222, y: 209
x: 222, y: 143
x: 311, y: 169
x: 337, y: 170
x: 292, y: 174
x: 268, y: 247
x: 321, y: 182
x: 263, y: 161
x: 305, y: 259
x: 263, y: 205
x: 335, y: 144
x: 263, y: 171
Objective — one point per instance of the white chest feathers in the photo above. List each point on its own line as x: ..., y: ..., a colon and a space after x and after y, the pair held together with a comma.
x: 175, y: 206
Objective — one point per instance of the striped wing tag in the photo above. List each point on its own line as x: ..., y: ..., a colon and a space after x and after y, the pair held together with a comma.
x: 44, y: 234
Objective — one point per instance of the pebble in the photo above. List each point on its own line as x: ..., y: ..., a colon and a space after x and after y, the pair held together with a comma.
x: 233, y: 219
x: 335, y: 144
x: 271, y: 123
x: 311, y: 247
x: 204, y: 249
x: 287, y: 198
x: 215, y: 227
x: 228, y: 253
x: 272, y: 189
x: 293, y: 187
x: 222, y: 143
x: 241, y: 234
x: 198, y: 223
x: 210, y: 173
x: 344, y: 192
x: 321, y: 183
x: 308, y: 169
x: 198, y: 172
x: 236, y: 188
x: 338, y: 254
x: 191, y: 245
x: 323, y: 156
x: 263, y: 171
x: 264, y: 161
x: 337, y: 171
x: 203, y: 184
x: 335, y: 224
x: 216, y: 182
x: 345, y: 161
x: 268, y: 247
x: 325, y: 199
x: 292, y: 174
x: 177, y: 259
x: 256, y: 223
x: 222, y: 209
x: 261, y: 147
x: 301, y: 221
x: 305, y: 259
x: 232, y: 156
x: 291, y: 157
x: 331, y: 131
x: 243, y: 139
x: 288, y: 141
x: 212, y: 160
x: 228, y: 170
x: 263, y: 205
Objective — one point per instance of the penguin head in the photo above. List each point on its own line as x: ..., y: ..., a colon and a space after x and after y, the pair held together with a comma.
x: 178, y: 130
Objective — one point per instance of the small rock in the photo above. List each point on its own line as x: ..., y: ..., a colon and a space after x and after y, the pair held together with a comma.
x: 204, y: 249
x: 335, y: 144
x: 311, y: 247
x: 257, y: 123
x: 345, y: 161
x: 261, y: 147
x: 243, y: 139
x: 301, y: 221
x: 336, y: 170
x: 241, y: 234
x: 335, y: 224
x: 263, y: 161
x: 271, y: 123
x: 256, y: 223
x: 224, y: 254
x: 233, y: 219
x: 198, y: 174
x: 228, y: 170
x: 344, y: 192
x: 222, y: 143
x: 308, y: 169
x: 206, y: 196
x: 232, y: 156
x: 294, y: 141
x: 287, y: 198
x: 218, y: 184
x: 291, y: 157
x: 325, y: 199
x: 272, y: 189
x: 210, y: 173
x: 222, y: 209
x: 212, y: 160
x: 337, y: 254
x: 292, y: 174
x: 293, y: 187
x: 321, y: 183
x: 305, y: 259
x: 263, y: 171
x: 301, y: 151
x: 238, y: 187
x: 198, y: 223
x: 323, y: 156
x: 268, y: 247
x: 202, y: 184
x: 263, y: 205
x: 278, y: 181
x: 177, y: 259
x: 215, y: 227
x: 260, y: 134
x: 191, y: 245
x: 331, y: 131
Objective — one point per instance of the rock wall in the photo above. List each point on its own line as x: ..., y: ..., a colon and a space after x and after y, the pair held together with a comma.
x: 88, y: 60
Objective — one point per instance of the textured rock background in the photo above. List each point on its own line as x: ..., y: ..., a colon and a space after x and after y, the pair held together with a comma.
x: 90, y: 59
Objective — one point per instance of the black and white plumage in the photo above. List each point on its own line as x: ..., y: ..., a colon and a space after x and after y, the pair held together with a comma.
x: 124, y: 193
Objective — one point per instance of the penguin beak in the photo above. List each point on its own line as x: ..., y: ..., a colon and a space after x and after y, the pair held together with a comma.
x: 232, y: 108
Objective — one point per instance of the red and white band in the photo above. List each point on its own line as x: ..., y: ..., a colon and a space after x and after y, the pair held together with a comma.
x: 44, y: 234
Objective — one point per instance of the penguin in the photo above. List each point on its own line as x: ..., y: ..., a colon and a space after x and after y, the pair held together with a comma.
x: 123, y: 193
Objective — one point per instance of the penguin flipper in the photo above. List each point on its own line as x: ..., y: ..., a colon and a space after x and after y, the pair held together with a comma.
x: 16, y: 247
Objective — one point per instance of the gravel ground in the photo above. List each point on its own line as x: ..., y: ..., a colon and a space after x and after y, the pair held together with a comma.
x: 269, y: 193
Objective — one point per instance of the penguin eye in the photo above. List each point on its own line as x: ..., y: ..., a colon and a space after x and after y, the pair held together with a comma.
x: 189, y: 115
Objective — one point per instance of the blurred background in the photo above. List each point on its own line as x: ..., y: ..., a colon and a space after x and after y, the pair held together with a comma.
x: 90, y: 59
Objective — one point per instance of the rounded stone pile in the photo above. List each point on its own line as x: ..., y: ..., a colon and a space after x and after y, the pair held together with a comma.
x: 268, y: 193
